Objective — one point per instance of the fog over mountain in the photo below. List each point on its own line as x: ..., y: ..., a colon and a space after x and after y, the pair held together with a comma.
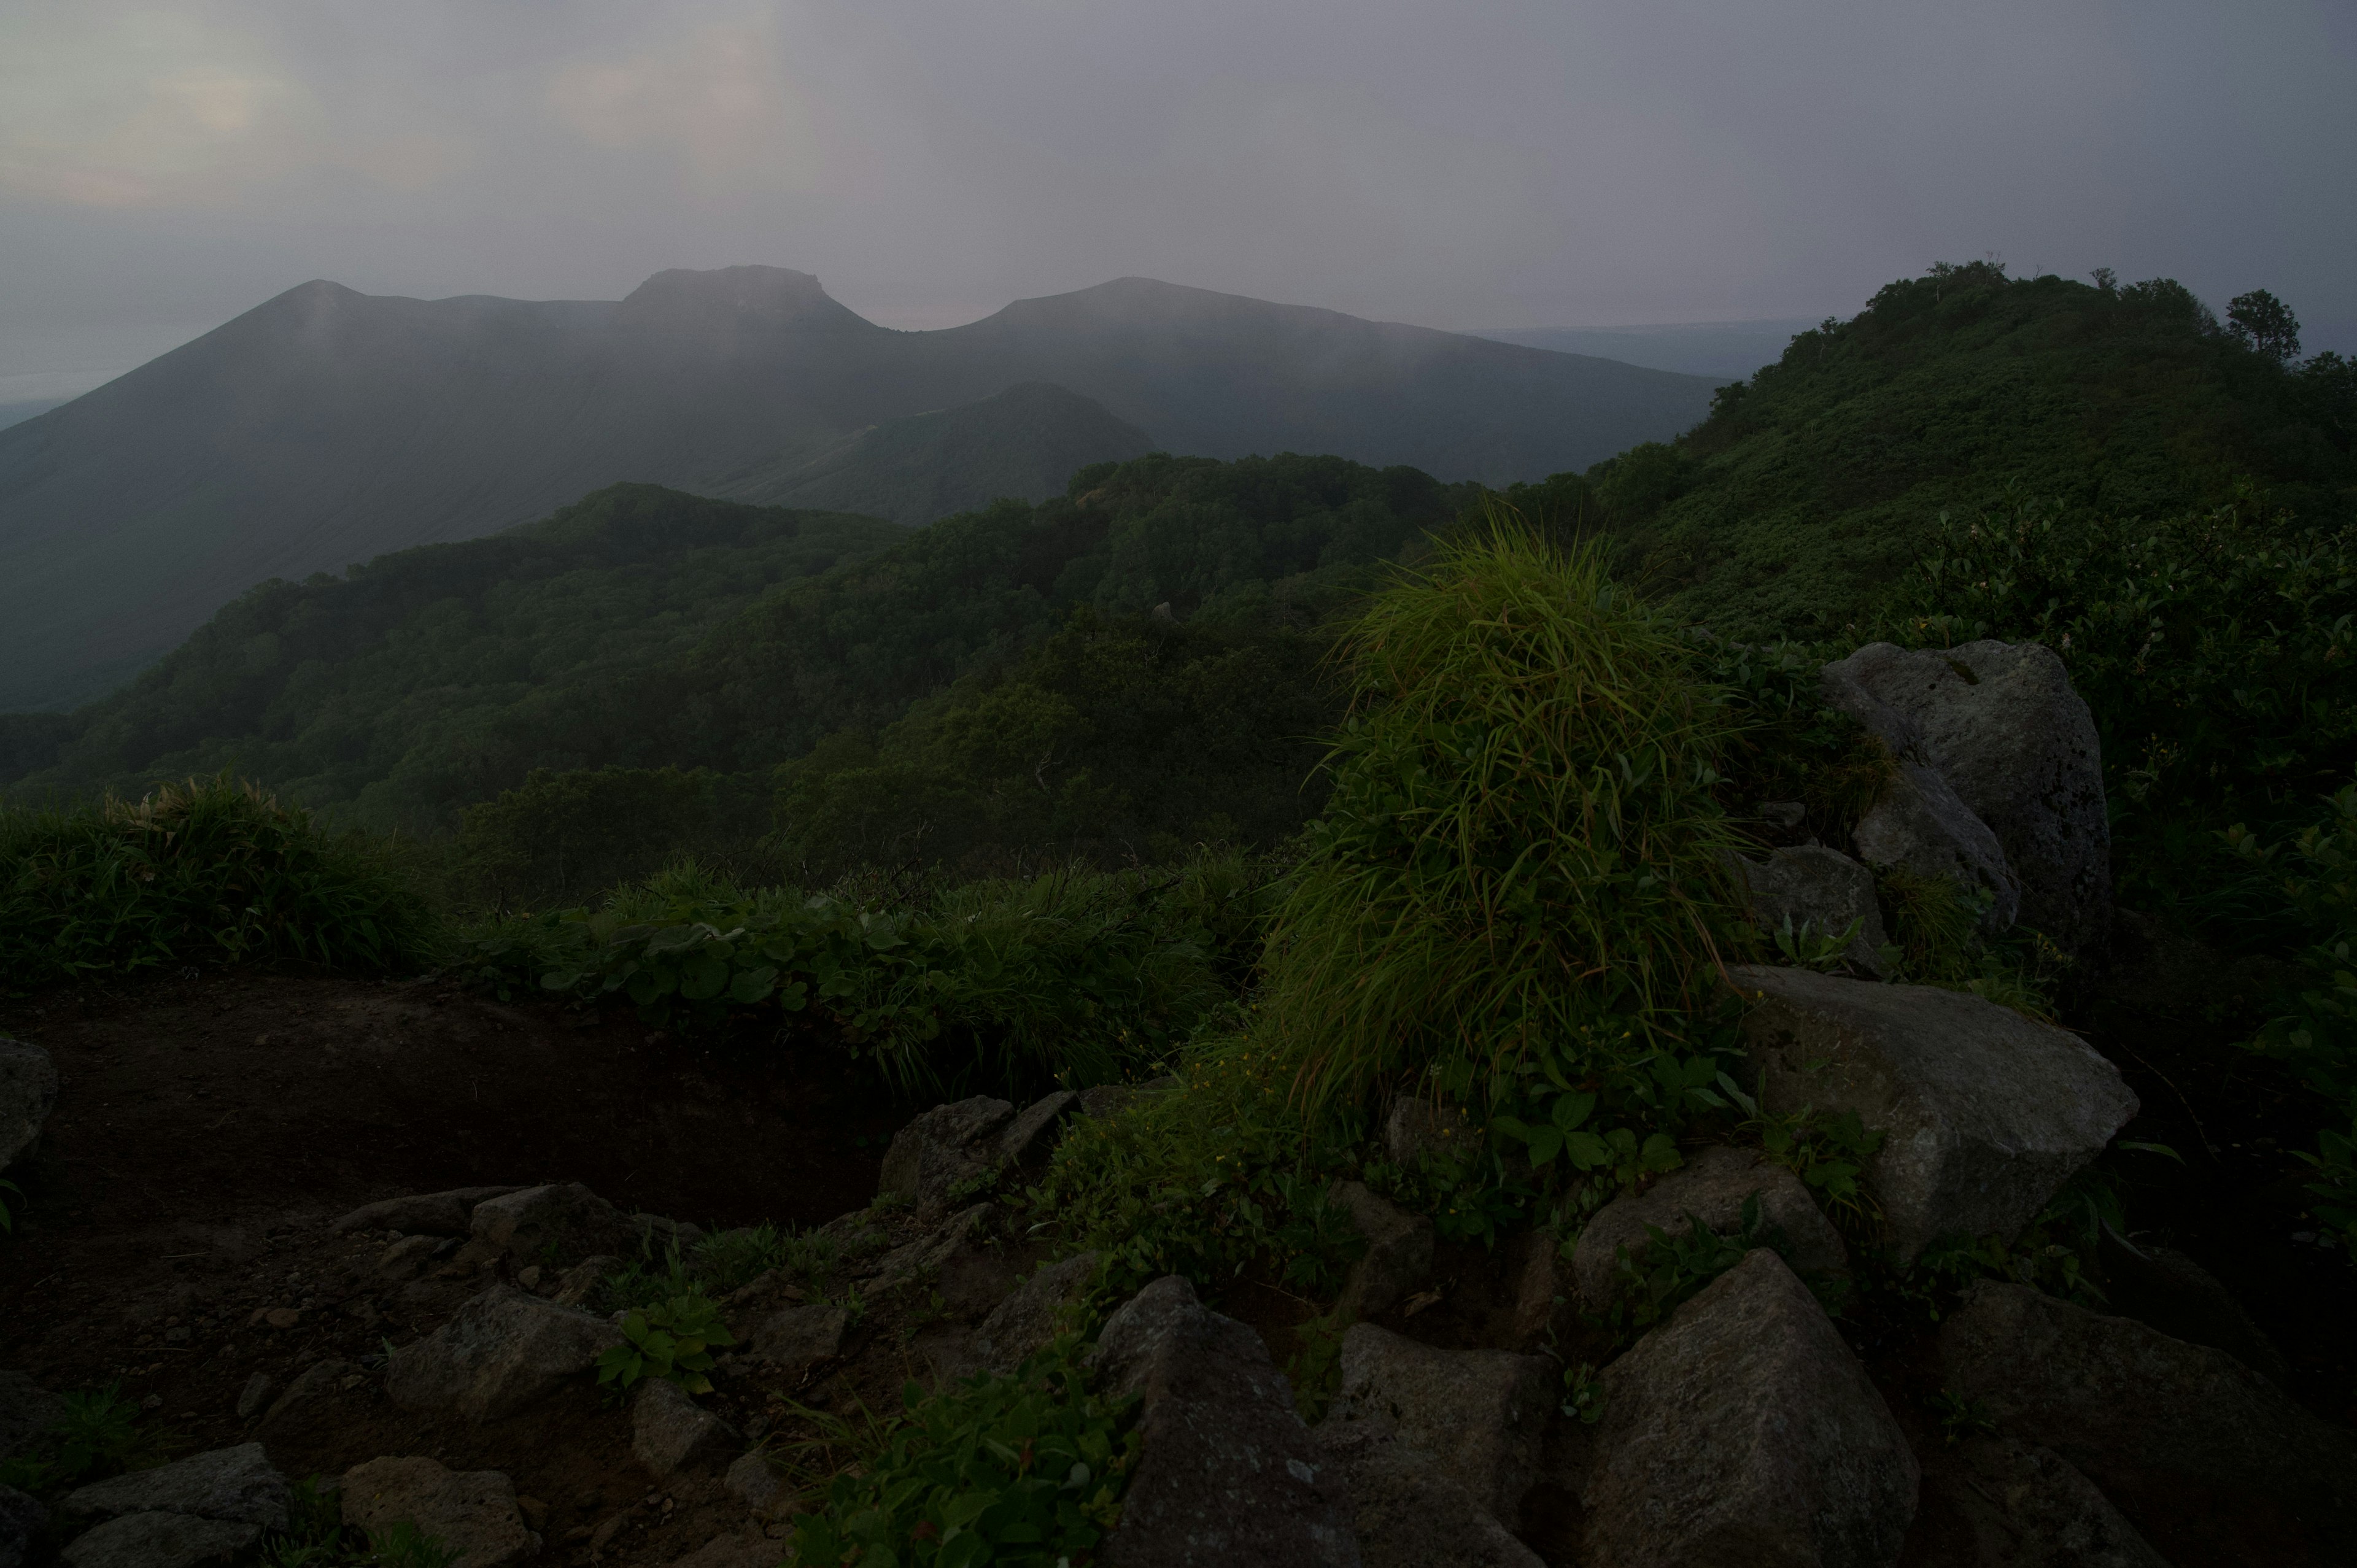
x: 326, y: 426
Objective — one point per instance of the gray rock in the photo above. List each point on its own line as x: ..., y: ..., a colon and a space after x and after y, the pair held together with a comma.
x: 1991, y: 1502
x: 1544, y: 1292
x: 2164, y: 1289
x: 315, y: 1404
x: 2003, y: 726
x: 161, y: 1540
x: 235, y: 1484
x: 1713, y: 1187
x: 1417, y: 1128
x: 799, y: 1337
x: 1483, y: 1414
x: 940, y: 1149
x: 502, y: 1350
x: 1920, y: 826
x: 1744, y: 1431
x: 1028, y: 1318
x: 421, y: 1213
x: 1407, y: 1514
x: 544, y: 1224
x: 1822, y: 890
x: 2190, y: 1443
x: 930, y: 1254
x: 409, y: 1257
x: 26, y: 1409
x: 21, y: 1523
x: 753, y: 1481
x: 28, y: 1091
x: 471, y: 1512
x: 1226, y: 1473
x: 252, y: 1399
x: 577, y: 1284
x: 1984, y: 1114
x: 1030, y: 1137
x: 670, y: 1431
x: 1398, y: 1258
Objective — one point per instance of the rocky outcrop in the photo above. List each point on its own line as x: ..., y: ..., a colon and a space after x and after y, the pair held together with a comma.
x: 1398, y: 1257
x: 503, y: 1351
x: 28, y: 1091
x: 1481, y: 1413
x: 796, y: 1339
x: 1030, y: 1315
x: 423, y: 1213
x: 234, y: 1484
x: 471, y: 1512
x: 2164, y: 1289
x: 1713, y: 1188
x: 1991, y: 1502
x: 1920, y: 826
x: 1027, y: 1137
x: 944, y: 1149
x: 2193, y: 1445
x: 670, y: 1431
x: 1744, y: 1431
x: 315, y: 1404
x: 561, y: 1223
x: 1822, y: 890
x: 162, y: 1541
x: 1984, y: 1114
x: 1408, y: 1513
x: 1226, y: 1472
x: 2018, y: 745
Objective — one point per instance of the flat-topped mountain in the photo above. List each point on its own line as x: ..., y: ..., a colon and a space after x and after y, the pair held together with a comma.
x: 327, y: 426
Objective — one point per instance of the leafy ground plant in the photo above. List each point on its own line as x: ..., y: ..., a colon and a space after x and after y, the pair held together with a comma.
x: 98, y: 1435
x: 671, y: 1339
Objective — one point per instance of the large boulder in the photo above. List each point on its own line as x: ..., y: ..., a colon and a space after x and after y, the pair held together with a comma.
x: 2162, y: 1288
x: 1027, y: 1137
x: 29, y: 1090
x: 1481, y: 1413
x: 501, y: 1351
x: 1984, y: 1114
x: 25, y: 1410
x: 235, y: 1484
x: 941, y: 1151
x: 1991, y: 1502
x: 1226, y: 1473
x: 471, y: 1512
x: 1744, y: 1431
x: 162, y: 1541
x: 1398, y: 1256
x: 1713, y: 1188
x: 22, y: 1520
x: 2209, y: 1458
x: 559, y: 1223
x: 1408, y: 1512
x: 1918, y: 826
x: 1032, y: 1313
x: 796, y: 1339
x: 1824, y: 891
x: 447, y: 1213
x: 670, y: 1431
x: 2001, y: 724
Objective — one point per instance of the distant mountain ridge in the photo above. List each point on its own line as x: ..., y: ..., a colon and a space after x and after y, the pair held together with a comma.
x: 327, y: 426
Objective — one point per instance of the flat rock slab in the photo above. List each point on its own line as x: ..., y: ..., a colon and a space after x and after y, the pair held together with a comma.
x: 1713, y: 1187
x: 1226, y: 1474
x: 161, y: 1540
x: 669, y: 1431
x: 1744, y: 1431
x: 423, y: 1213
x: 1984, y: 1114
x: 501, y: 1351
x: 1398, y: 1258
x: 934, y: 1252
x: 1482, y: 1414
x: 235, y: 1484
x: 1821, y: 891
x: 1408, y: 1513
x: 471, y: 1512
x: 1991, y: 1502
x: 797, y: 1338
x: 2204, y: 1453
x: 1032, y: 1134
x: 28, y: 1091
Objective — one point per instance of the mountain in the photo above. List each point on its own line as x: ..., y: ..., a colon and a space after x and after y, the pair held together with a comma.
x: 17, y: 413
x: 327, y: 426
x: 1723, y: 350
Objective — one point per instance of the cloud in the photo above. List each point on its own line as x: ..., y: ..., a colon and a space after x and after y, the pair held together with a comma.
x: 719, y: 100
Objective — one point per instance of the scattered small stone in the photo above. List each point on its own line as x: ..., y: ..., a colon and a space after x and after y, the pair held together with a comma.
x: 424, y: 1213
x: 753, y: 1482
x: 256, y: 1394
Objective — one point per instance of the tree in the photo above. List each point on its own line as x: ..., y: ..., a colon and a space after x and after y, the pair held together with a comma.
x: 2265, y: 323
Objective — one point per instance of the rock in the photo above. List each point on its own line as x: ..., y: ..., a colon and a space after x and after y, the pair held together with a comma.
x: 2018, y: 747
x: 253, y: 1398
x: 21, y: 1523
x: 1398, y: 1257
x: 1984, y: 1114
x: 1028, y: 1318
x: 1544, y: 1290
x: 409, y: 1257
x: 2191, y: 1444
x: 1031, y: 1135
x: 1990, y: 1502
x: 669, y: 1430
x: 1784, y: 815
x: 1920, y: 826
x: 800, y: 1338
x: 576, y: 1285
x: 470, y: 1512
x: 934, y: 1253
x: 537, y: 1224
x: 161, y: 1540
x: 29, y: 1090
x: 421, y: 1213
x: 501, y: 1351
x: 26, y: 1409
x: 1482, y: 1414
x: 315, y: 1404
x: 1407, y: 1514
x: 1744, y: 1431
x: 1416, y: 1129
x: 2164, y: 1289
x: 1822, y: 890
x: 233, y: 1484
x: 1226, y: 1473
x: 750, y: 1549
x: 1712, y: 1187
x: 753, y: 1481
x: 939, y: 1150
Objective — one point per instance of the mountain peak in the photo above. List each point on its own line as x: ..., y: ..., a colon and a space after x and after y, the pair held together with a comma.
x: 679, y: 299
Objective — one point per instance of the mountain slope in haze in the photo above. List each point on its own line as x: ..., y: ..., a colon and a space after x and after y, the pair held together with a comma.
x: 1024, y: 443
x: 327, y: 426
x: 1723, y: 350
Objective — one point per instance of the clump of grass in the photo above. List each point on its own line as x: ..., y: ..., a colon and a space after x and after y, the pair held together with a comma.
x: 207, y: 871
x: 1522, y: 856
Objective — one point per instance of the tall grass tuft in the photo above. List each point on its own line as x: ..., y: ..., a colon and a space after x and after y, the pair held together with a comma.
x: 208, y: 871
x: 1521, y: 861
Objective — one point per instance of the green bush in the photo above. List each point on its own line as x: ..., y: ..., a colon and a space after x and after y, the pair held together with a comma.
x: 201, y: 872
x: 671, y: 1339
x: 560, y: 838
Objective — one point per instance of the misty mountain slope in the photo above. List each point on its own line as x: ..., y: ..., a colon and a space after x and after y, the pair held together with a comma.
x: 327, y: 426
x: 1025, y: 443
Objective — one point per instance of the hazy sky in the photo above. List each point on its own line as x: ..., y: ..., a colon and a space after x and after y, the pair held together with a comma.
x: 1474, y: 163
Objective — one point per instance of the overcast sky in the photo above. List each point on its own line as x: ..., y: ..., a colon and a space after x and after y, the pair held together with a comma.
x: 1473, y: 163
